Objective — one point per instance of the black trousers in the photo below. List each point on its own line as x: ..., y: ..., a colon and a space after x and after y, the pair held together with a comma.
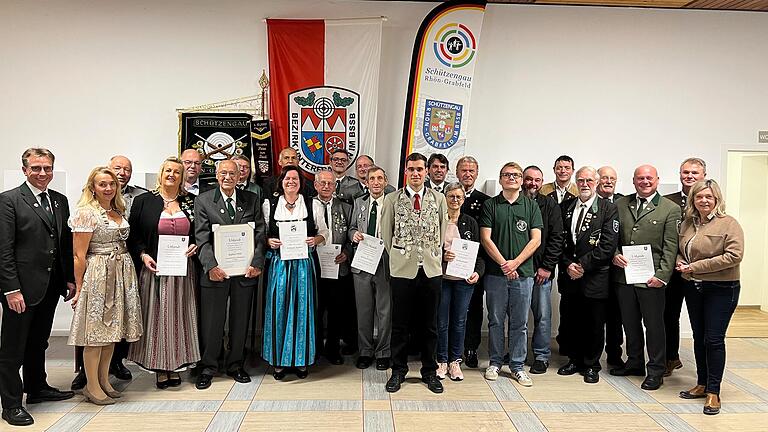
x: 415, y: 301
x: 710, y: 308
x: 582, y: 320
x: 337, y: 304
x: 644, y: 307
x: 23, y: 341
x: 474, y: 325
x: 213, y: 317
x: 614, y: 333
x: 675, y: 292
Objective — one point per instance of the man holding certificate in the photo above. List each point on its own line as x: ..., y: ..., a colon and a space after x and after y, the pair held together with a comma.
x: 648, y: 222
x: 591, y: 235
x: 335, y: 283
x: 413, y: 221
x: 229, y: 229
x: 372, y: 293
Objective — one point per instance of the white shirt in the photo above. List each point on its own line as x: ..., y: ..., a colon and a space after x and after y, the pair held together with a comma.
x: 576, y: 211
x: 194, y: 188
x: 438, y: 187
x: 561, y: 191
x: 467, y: 193
x: 299, y: 212
x: 379, y: 203
x: 225, y: 197
x: 37, y: 193
x: 413, y: 194
x: 641, y: 205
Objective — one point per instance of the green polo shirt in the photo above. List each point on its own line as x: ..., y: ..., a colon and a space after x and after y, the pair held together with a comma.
x: 511, y: 226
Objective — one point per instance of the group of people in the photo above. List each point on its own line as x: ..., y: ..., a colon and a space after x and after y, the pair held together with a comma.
x: 104, y: 258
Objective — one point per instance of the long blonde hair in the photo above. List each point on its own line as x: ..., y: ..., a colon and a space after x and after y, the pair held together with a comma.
x: 88, y: 197
x: 690, y: 208
x: 182, y: 182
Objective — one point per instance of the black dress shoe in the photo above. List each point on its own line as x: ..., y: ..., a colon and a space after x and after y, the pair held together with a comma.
x: 363, y: 362
x: 591, y: 376
x: 120, y: 372
x: 302, y: 373
x: 652, y: 382
x: 278, y: 375
x: 240, y: 375
x: 174, y: 380
x: 17, y: 417
x: 382, y: 363
x: 470, y: 358
x: 80, y: 381
x: 569, y: 369
x: 627, y: 372
x: 203, y: 381
x: 394, y: 382
x: 164, y: 384
x: 433, y: 383
x: 539, y: 367
x: 49, y: 394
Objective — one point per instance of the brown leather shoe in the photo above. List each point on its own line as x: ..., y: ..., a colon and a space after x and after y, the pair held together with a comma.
x: 712, y: 405
x: 672, y: 365
x: 697, y: 392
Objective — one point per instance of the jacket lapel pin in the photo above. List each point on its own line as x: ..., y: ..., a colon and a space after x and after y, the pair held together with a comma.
x: 221, y: 211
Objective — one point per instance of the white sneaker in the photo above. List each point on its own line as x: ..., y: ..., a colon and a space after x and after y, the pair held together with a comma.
x: 492, y: 373
x: 442, y: 369
x: 454, y: 370
x: 522, y: 378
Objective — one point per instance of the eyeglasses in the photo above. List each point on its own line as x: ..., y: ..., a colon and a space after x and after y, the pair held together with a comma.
x: 325, y: 183
x: 455, y: 197
x: 190, y: 163
x: 38, y: 168
x: 513, y: 175
x: 339, y: 159
x: 225, y: 174
x: 585, y: 181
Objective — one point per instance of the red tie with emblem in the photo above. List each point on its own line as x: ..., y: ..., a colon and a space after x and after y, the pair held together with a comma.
x: 416, y: 203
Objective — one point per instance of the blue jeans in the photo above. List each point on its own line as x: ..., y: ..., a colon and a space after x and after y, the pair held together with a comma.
x: 541, y: 306
x: 452, y: 319
x: 710, y: 308
x: 508, y: 298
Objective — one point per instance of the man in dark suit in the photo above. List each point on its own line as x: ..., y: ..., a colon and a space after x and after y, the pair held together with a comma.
x: 373, y: 295
x: 614, y: 333
x: 591, y: 235
x: 36, y: 267
x: 647, y: 219
x: 544, y: 261
x: 337, y: 296
x: 226, y: 205
x: 467, y: 170
x: 437, y: 168
x: 691, y: 171
x: 245, y: 182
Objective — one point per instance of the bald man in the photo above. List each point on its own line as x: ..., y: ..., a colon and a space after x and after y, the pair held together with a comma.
x: 193, y: 166
x: 646, y: 219
x: 288, y: 157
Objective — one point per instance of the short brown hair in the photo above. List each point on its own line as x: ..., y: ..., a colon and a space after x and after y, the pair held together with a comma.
x: 36, y: 152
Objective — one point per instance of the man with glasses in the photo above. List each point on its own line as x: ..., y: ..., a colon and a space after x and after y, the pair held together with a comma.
x: 193, y: 166
x: 648, y: 219
x: 337, y: 297
x: 36, y: 268
x: 226, y: 205
x: 346, y: 188
x: 510, y: 232
x: 544, y: 261
x: 591, y: 235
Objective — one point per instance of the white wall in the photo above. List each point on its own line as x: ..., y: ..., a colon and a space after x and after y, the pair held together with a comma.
x: 89, y: 79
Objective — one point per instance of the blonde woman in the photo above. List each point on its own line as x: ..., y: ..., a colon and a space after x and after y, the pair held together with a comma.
x: 168, y: 302
x: 106, y: 303
x: 711, y: 250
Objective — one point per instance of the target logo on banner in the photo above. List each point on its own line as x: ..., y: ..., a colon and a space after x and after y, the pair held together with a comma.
x: 323, y: 119
x: 455, y: 45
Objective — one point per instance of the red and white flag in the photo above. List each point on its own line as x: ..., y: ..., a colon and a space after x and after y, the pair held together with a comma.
x: 324, y: 80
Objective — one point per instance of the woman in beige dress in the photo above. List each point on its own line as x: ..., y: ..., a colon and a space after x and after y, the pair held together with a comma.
x: 106, y: 304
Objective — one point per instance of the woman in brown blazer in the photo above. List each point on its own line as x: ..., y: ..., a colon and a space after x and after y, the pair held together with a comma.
x: 711, y: 248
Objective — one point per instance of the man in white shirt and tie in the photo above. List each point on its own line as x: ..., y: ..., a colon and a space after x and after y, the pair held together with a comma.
x: 193, y: 166
x: 437, y: 166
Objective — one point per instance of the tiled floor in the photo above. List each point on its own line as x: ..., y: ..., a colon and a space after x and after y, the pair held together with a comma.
x: 343, y: 398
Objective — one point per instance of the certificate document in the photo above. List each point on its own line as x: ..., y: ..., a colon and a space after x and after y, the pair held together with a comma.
x: 327, y: 255
x: 640, y: 267
x: 172, y: 255
x: 368, y: 254
x: 233, y: 248
x: 293, y: 236
x: 466, y: 255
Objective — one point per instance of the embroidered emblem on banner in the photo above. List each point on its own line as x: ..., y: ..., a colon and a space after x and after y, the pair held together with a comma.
x: 455, y: 45
x: 442, y: 123
x: 323, y: 119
